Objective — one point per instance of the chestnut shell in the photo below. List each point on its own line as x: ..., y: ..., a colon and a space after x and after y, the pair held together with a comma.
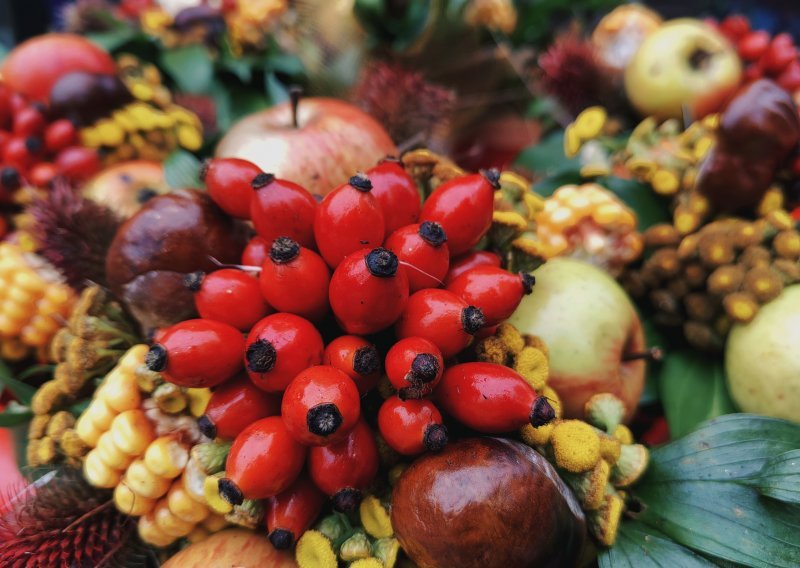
x: 487, y: 503
x: 170, y: 236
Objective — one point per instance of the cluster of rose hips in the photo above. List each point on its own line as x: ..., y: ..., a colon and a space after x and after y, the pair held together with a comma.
x: 381, y: 264
x: 35, y: 149
x: 763, y: 55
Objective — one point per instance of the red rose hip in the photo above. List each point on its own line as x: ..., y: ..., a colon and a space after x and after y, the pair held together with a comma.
x: 414, y: 366
x: 228, y: 295
x: 495, y: 291
x: 256, y: 251
x: 423, y: 254
x: 397, y: 194
x: 235, y: 405
x: 357, y: 358
x: 280, y: 208
x: 411, y: 427
x: 291, y: 512
x: 460, y: 265
x: 229, y: 182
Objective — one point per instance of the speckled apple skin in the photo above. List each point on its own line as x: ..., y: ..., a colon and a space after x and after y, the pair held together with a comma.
x: 487, y: 503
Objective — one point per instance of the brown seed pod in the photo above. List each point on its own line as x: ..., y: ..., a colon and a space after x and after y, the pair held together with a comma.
x: 700, y: 307
x: 662, y: 235
x: 755, y: 255
x: 741, y: 307
x: 726, y: 279
x: 695, y: 275
x: 715, y: 249
x: 787, y: 244
x: 788, y: 270
x: 665, y: 262
x: 763, y: 283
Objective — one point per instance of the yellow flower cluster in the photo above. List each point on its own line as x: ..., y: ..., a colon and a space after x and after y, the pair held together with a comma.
x: 584, y: 138
x: 249, y: 24
x: 500, y: 15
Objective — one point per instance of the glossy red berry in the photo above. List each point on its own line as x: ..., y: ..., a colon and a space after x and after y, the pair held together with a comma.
x: 491, y: 398
x: 442, y: 318
x: 367, y: 291
x: 59, y: 135
x: 397, y: 194
x: 197, y: 353
x: 280, y: 208
x: 28, y: 122
x: 233, y: 406
x: 291, y: 512
x: 495, y: 291
x: 348, y: 219
x: 357, y: 358
x: 228, y: 295
x: 423, y: 254
x: 789, y: 78
x: 463, y: 206
x: 411, y: 427
x: 735, y: 26
x: 414, y: 366
x: 295, y: 280
x: 780, y: 53
x: 460, y: 265
x: 320, y: 406
x: 229, y: 184
x: 77, y: 163
x: 256, y: 251
x: 264, y: 461
x: 278, y: 348
x: 43, y: 174
x: 21, y: 153
x: 753, y: 45
x: 344, y: 469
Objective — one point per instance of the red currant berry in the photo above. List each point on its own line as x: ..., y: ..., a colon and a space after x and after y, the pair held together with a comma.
x: 233, y: 406
x: 78, y: 164
x: 197, y: 353
x: 463, y: 206
x: 42, y: 174
x: 348, y: 219
x: 411, y: 427
x: 780, y: 53
x: 368, y: 292
x: 735, y: 27
x: 460, y: 265
x: 357, y: 358
x: 264, y: 461
x: 228, y: 295
x: 280, y: 208
x: 495, y: 291
x: 320, y: 406
x: 229, y: 183
x: 491, y: 398
x: 414, y: 366
x: 397, y: 194
x: 278, y: 348
x: 423, y: 254
x: 16, y: 152
x: 256, y: 251
x: 442, y: 318
x: 753, y: 45
x: 789, y: 79
x: 295, y: 280
x: 59, y: 135
x: 344, y: 469
x: 28, y: 122
x: 290, y: 513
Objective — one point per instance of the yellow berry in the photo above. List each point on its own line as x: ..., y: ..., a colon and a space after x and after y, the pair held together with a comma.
x: 131, y: 503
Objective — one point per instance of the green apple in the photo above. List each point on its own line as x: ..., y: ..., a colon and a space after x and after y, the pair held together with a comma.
x: 589, y: 325
x: 762, y: 359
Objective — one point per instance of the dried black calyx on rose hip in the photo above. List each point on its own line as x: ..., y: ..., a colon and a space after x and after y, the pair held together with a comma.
x: 542, y: 412
x: 435, y: 438
x: 193, y: 280
x: 492, y: 175
x: 262, y: 180
x: 283, y: 250
x: 528, y: 282
x: 366, y: 360
x: 424, y: 368
x: 230, y: 492
x: 261, y: 356
x: 10, y: 179
x: 361, y: 182
x: 207, y: 427
x: 432, y: 233
x: 281, y: 539
x: 156, y: 358
x: 347, y: 499
x: 472, y: 319
x: 382, y: 263
x: 324, y: 419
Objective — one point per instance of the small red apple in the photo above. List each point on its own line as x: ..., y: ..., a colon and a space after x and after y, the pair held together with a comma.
x: 318, y: 142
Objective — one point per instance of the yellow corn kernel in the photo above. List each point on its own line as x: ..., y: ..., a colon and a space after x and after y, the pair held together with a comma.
x: 197, y: 534
x: 132, y: 432
x: 100, y: 414
x: 198, y: 401
x: 166, y: 457
x: 87, y: 431
x: 151, y: 533
x: 120, y: 391
x: 110, y: 454
x: 131, y: 503
x: 169, y: 523
x: 133, y: 357
x: 98, y: 473
x: 184, y: 506
x: 215, y: 522
x: 144, y: 482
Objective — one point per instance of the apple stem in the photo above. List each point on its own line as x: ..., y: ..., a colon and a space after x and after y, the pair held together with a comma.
x: 295, y: 94
x: 652, y: 354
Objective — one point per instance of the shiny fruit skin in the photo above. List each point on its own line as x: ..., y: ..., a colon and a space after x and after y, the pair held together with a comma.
x: 422, y: 250
x: 495, y: 291
x: 362, y: 301
x: 264, y: 459
x: 42, y: 174
x: 59, y: 135
x: 486, y: 397
x: 321, y: 406
x: 442, y: 318
x: 397, y: 194
x: 35, y: 65
x: 753, y: 45
x: 256, y: 251
x: 17, y: 154
x: 280, y: 208
x: 278, y: 348
x: 463, y: 206
x: 199, y: 353
x: 229, y: 183
x: 402, y: 371
x: 28, y: 122
x: 348, y: 219
x: 295, y: 280
x: 406, y: 425
x: 357, y: 358
x: 235, y: 405
x: 470, y: 260
x: 77, y: 163
x: 291, y: 512
x: 228, y: 295
x: 344, y: 469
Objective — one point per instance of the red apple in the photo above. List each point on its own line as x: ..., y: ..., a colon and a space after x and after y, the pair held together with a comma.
x: 232, y: 547
x: 591, y: 329
x: 330, y: 141
x: 125, y: 187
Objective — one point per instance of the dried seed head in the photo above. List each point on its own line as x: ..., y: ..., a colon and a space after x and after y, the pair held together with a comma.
x: 741, y: 307
x: 726, y: 279
x: 763, y: 283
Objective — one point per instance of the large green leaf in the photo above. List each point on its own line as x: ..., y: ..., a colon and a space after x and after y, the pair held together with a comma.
x: 780, y: 477
x: 640, y: 546
x: 650, y: 207
x: 22, y: 391
x: 547, y: 159
x: 692, y: 389
x: 190, y: 67
x: 182, y: 170
x: 14, y: 415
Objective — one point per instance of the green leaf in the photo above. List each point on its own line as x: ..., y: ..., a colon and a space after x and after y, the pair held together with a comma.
x: 182, y: 170
x: 640, y: 546
x: 22, y: 391
x: 285, y: 63
x: 692, y: 389
x: 547, y: 158
x: 34, y: 370
x: 276, y: 90
x: 191, y: 67
x: 650, y: 208
x: 14, y: 416
x: 653, y: 338
x: 113, y: 39
x: 780, y: 478
x: 79, y: 407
